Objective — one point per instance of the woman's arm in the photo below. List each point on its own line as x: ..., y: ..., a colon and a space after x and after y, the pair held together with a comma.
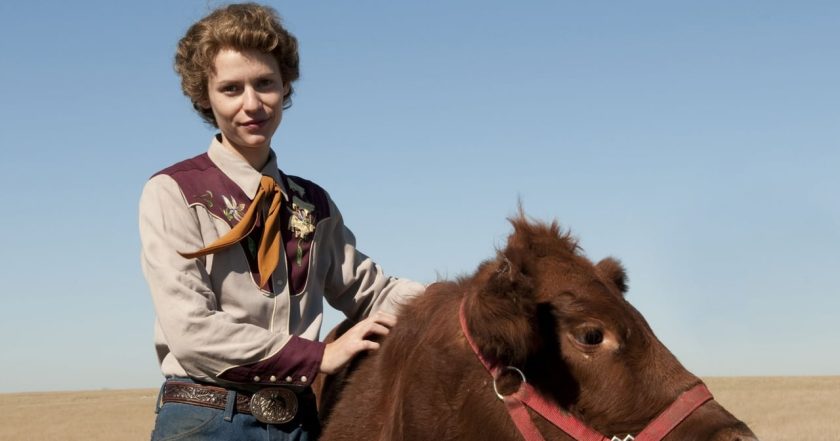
x: 355, y: 284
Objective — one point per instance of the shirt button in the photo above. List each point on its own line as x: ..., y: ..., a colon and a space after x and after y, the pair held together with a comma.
x: 257, y: 379
x: 303, y: 379
x: 289, y: 379
x: 272, y: 379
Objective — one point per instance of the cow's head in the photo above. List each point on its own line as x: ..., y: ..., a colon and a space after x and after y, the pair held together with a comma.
x: 543, y: 307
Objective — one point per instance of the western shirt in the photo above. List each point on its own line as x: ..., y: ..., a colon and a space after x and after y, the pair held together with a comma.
x: 213, y: 322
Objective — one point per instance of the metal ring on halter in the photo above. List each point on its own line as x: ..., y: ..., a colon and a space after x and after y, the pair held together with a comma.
x: 502, y: 370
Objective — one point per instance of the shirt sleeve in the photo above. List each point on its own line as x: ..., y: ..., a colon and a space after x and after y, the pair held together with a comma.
x: 207, y: 342
x: 355, y: 284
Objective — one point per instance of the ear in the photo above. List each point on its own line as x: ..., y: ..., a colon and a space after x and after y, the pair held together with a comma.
x: 501, y: 311
x: 612, y: 269
x: 202, y: 104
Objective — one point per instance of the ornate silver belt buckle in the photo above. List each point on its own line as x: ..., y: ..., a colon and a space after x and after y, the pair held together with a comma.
x: 274, y: 405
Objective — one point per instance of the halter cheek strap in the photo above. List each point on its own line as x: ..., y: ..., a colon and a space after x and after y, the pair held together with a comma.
x: 516, y: 404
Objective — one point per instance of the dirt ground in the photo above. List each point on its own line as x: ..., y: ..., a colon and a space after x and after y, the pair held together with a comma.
x: 776, y: 408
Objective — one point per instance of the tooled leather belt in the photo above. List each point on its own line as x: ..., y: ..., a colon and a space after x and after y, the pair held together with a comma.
x: 273, y: 405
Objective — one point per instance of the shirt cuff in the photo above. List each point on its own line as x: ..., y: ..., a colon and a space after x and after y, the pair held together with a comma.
x: 296, y: 364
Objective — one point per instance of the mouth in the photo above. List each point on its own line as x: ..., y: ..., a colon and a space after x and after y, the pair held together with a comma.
x: 254, y: 124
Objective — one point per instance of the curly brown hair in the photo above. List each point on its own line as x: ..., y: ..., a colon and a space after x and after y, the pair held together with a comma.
x: 244, y: 26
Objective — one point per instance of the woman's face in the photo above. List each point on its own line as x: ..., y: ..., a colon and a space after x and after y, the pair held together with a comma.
x: 246, y: 95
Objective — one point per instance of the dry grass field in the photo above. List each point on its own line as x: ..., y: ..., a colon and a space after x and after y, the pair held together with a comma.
x: 777, y: 409
x: 783, y: 408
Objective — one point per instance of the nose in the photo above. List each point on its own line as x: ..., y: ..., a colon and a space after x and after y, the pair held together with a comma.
x: 251, y: 100
x: 740, y: 433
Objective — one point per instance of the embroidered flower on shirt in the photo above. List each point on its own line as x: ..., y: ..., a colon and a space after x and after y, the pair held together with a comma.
x: 302, y: 224
x: 232, y: 209
x: 207, y: 198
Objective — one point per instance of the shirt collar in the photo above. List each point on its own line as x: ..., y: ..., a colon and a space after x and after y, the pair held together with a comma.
x: 240, y: 171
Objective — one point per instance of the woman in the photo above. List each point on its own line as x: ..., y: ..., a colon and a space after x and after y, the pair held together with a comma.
x: 239, y: 256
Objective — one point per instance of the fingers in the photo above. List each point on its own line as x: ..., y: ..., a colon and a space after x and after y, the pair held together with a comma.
x: 383, y: 318
x: 367, y: 345
x: 377, y: 329
x: 355, y: 340
x: 378, y: 324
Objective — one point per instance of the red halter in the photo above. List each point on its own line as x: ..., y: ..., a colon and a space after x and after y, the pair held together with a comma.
x: 662, y: 425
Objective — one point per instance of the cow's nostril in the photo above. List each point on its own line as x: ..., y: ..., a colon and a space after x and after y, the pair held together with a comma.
x: 734, y: 434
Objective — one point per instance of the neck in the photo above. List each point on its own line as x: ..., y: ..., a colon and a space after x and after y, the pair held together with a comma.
x: 255, y: 156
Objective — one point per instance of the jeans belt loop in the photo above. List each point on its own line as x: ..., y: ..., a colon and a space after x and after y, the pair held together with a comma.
x: 159, y: 401
x: 230, y: 405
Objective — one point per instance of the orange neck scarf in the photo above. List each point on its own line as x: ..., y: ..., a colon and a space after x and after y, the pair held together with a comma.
x: 268, y: 253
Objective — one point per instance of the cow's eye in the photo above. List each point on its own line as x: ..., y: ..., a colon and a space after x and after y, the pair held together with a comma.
x: 590, y: 336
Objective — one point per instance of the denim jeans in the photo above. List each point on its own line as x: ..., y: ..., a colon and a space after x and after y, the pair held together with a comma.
x: 187, y: 422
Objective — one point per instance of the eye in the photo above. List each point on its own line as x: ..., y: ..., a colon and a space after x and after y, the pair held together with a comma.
x: 229, y: 89
x: 590, y: 336
x: 265, y: 83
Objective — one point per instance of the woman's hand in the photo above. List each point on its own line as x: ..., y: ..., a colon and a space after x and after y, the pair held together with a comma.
x: 355, y: 340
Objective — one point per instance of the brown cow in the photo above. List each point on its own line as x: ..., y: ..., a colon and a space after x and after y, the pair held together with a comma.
x: 540, y: 306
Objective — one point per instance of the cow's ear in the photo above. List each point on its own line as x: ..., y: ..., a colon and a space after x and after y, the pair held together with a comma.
x: 501, y: 311
x: 612, y: 269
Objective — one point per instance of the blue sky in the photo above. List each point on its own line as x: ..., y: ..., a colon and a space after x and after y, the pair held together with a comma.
x: 698, y: 143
